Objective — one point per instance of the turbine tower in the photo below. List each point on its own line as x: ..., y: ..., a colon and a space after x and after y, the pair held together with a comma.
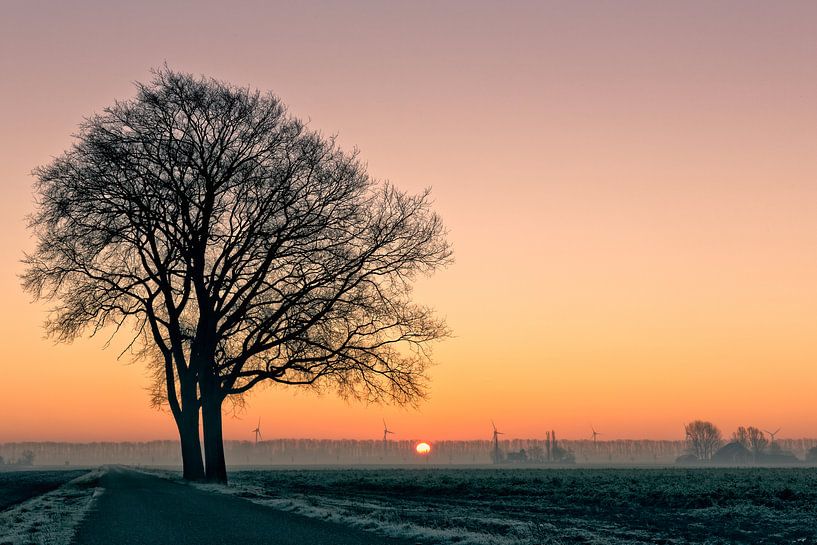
x: 773, y: 433
x: 595, y: 433
x: 386, y: 432
x: 497, y: 454
x: 257, y: 431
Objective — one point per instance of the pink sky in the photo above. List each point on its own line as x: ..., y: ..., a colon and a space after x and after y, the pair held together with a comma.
x: 629, y: 187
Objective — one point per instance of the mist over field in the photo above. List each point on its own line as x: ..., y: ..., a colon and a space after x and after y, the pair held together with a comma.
x: 300, y: 452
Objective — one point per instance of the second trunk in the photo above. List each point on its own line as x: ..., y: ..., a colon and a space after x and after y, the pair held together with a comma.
x: 214, y: 462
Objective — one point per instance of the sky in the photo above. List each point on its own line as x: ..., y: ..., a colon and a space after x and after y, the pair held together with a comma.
x: 630, y: 190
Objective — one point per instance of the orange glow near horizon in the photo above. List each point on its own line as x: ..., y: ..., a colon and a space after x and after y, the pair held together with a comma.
x: 630, y: 195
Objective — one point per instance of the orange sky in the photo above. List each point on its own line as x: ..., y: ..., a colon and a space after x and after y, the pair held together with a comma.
x: 630, y: 188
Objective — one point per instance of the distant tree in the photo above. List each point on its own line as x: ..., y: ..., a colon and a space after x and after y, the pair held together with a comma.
x: 702, y: 438
x: 26, y: 458
x: 549, y: 447
x: 241, y: 246
x: 757, y: 440
x: 752, y: 438
x: 741, y: 436
x: 563, y: 455
x: 2, y: 461
x: 536, y: 454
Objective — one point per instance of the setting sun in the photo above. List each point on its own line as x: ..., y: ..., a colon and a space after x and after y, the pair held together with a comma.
x: 423, y: 448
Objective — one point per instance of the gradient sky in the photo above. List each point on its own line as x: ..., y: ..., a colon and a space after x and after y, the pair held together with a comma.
x: 630, y: 188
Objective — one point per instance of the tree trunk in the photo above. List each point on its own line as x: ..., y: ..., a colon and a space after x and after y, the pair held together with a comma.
x: 215, y: 465
x: 187, y: 423
x: 193, y: 467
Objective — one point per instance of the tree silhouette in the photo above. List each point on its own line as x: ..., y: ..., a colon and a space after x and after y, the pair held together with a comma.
x: 703, y: 438
x: 757, y: 440
x: 752, y: 438
x: 241, y: 246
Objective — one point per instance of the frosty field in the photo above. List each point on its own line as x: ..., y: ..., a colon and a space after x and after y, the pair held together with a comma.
x: 44, y: 507
x: 18, y: 486
x: 523, y: 506
x: 532, y: 506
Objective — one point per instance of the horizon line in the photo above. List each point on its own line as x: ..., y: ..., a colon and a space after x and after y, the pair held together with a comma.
x: 380, y: 440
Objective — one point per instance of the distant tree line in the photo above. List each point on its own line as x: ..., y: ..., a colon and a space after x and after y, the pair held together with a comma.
x: 26, y: 458
x: 350, y: 452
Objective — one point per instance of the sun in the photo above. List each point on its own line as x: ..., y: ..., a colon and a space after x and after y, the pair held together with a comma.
x: 423, y: 448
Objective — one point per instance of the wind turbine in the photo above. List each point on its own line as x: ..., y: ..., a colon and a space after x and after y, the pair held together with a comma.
x: 773, y: 433
x: 595, y: 433
x: 386, y: 432
x: 257, y: 431
x: 496, y: 442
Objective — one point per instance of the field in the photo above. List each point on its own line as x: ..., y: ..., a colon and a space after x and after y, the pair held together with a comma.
x: 43, y: 507
x: 18, y: 486
x: 552, y: 506
x: 454, y: 506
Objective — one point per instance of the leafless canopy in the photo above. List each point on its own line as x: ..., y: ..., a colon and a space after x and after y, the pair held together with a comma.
x: 703, y: 438
x: 241, y: 245
x: 752, y: 438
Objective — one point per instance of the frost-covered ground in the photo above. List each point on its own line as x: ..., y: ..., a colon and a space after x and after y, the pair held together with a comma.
x: 16, y: 486
x: 552, y: 506
x: 38, y: 511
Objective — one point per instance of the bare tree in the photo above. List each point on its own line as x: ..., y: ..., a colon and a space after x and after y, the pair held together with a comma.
x: 741, y: 436
x: 752, y: 438
x: 757, y: 440
x: 702, y: 438
x: 243, y: 248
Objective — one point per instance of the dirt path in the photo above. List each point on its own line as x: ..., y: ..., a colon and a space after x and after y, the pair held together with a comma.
x: 145, y: 510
